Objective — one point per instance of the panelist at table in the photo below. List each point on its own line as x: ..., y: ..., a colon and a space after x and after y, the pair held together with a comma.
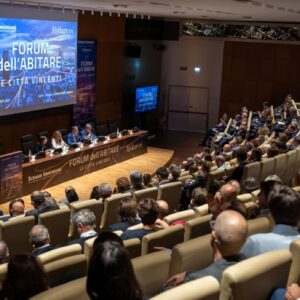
x: 87, y: 134
x: 74, y: 136
x: 57, y: 141
x: 43, y: 144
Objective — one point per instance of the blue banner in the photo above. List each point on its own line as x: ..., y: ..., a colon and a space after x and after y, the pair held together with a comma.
x: 84, y: 109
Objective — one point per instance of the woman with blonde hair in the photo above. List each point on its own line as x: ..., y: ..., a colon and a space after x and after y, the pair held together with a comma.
x: 57, y: 141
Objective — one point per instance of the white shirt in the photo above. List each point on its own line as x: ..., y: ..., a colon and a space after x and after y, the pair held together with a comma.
x: 88, y: 233
x: 56, y: 145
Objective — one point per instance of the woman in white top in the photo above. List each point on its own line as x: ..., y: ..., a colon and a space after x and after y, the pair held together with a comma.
x: 57, y: 142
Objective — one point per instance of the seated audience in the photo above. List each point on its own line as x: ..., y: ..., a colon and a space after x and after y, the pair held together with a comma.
x: 199, y: 197
x: 241, y: 156
x: 73, y: 137
x: 136, y: 180
x: 250, y: 185
x: 162, y: 175
x: 71, y: 196
x: 4, y: 253
x: 284, y: 204
x: 272, y: 152
x: 221, y: 163
x: 105, y: 191
x: 57, y: 141
x: 38, y: 201
x: 256, y: 155
x: 147, y: 181
x: 236, y: 184
x: 85, y: 223
x: 229, y: 233
x: 16, y: 208
x: 25, y: 278
x: 175, y: 172
x: 87, y: 134
x: 50, y: 201
x: 148, y: 213
x: 95, y: 193
x: 122, y: 185
x: 127, y: 212
x: 40, y: 240
x: 110, y: 274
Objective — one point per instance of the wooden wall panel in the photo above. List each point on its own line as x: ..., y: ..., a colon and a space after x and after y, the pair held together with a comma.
x: 109, y: 32
x: 257, y: 72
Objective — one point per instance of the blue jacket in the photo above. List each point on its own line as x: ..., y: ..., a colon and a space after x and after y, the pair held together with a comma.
x: 71, y: 139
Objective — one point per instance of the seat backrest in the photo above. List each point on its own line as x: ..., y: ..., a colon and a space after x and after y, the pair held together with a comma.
x: 134, y: 247
x: 15, y: 232
x: 88, y: 249
x: 43, y: 133
x: 197, y: 227
x: 75, y: 289
x: 185, y: 177
x: 152, y: 271
x: 166, y: 238
x: 181, y: 215
x: 146, y: 193
x: 170, y: 192
x: 58, y: 224
x: 267, y: 168
x: 290, y: 170
x: 215, y: 175
x: 245, y: 197
x: 3, y: 272
x: 110, y: 215
x: 69, y: 267
x: 27, y: 144
x: 205, y: 288
x: 192, y: 255
x: 280, y: 164
x: 259, y: 225
x: 251, y: 170
x: 294, y: 275
x: 93, y: 205
x: 244, y: 281
x: 59, y: 253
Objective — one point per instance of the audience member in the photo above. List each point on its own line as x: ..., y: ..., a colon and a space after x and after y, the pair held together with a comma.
x: 85, y: 223
x: 199, y: 197
x: 105, y: 191
x: 163, y: 209
x: 162, y: 175
x: 175, y: 172
x: 127, y: 212
x: 136, y: 180
x: 50, y: 201
x: 221, y: 163
x: 148, y: 212
x: 250, y: 185
x: 71, y: 196
x: 4, y: 253
x: 147, y: 181
x: 107, y: 236
x: 40, y: 240
x: 229, y: 233
x: 122, y: 185
x: 256, y: 155
x: 16, y: 208
x: 284, y: 204
x: 25, y: 278
x: 241, y: 156
x: 95, y: 193
x: 111, y: 275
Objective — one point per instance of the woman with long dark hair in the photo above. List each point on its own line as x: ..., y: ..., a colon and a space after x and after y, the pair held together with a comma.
x: 110, y: 274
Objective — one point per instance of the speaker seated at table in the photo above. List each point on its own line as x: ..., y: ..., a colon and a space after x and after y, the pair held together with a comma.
x: 87, y: 133
x: 57, y: 141
x: 43, y: 144
x: 73, y: 137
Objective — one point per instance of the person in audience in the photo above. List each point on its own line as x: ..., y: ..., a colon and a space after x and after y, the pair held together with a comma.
x: 105, y: 191
x: 4, y: 253
x: 50, y: 201
x: 187, y: 163
x: 226, y: 152
x: 16, y: 208
x: 71, y: 196
x: 38, y: 201
x: 199, y: 197
x: 122, y: 185
x: 295, y: 143
x: 73, y: 137
x: 241, y: 156
x: 107, y: 236
x: 256, y: 155
x: 136, y: 180
x: 175, y: 172
x: 87, y: 134
x: 236, y: 184
x: 291, y: 293
x: 85, y: 223
x: 284, y: 204
x: 162, y: 175
x: 57, y: 141
x: 111, y: 275
x: 163, y: 209
x: 40, y: 239
x: 272, y: 152
x: 43, y: 144
x: 127, y: 212
x: 95, y: 193
x: 229, y: 233
x: 147, y: 181
x: 148, y: 212
x: 221, y: 163
x: 250, y: 185
x: 25, y: 278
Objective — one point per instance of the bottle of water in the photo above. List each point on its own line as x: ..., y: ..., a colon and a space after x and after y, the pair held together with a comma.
x: 29, y: 155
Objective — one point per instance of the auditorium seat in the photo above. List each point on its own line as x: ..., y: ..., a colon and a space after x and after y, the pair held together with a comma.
x: 112, y: 126
x: 216, y: 175
x: 59, y: 253
x: 280, y: 164
x: 267, y: 168
x: 256, y: 277
x: 192, y: 255
x: 245, y: 197
x: 3, y: 272
x: 251, y: 208
x: 61, y: 270
x: 64, y: 133
x: 259, y: 225
x: 75, y: 289
x: 110, y: 212
x: 297, y: 188
x: 152, y: 271
x: 202, y: 210
x: 101, y: 128
x: 58, y: 224
x: 185, y: 177
x: 170, y: 192
x: 145, y: 193
x: 137, y: 226
x: 294, y: 275
x: 184, y: 173
x: 27, y: 144
x: 251, y: 170
x: 43, y: 133
x: 197, y: 227
x: 20, y: 228
x: 290, y: 170
x: 166, y: 238
x: 181, y: 215
x: 205, y: 288
x: 93, y: 205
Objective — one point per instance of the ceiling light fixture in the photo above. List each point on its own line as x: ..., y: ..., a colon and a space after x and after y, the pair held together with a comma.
x: 110, y: 13
x: 92, y: 12
x: 83, y: 11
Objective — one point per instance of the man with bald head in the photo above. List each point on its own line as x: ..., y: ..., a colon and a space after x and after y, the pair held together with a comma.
x: 163, y: 209
x: 228, y: 235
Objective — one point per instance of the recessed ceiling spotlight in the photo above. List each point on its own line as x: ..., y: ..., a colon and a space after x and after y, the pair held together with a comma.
x: 134, y: 16
x: 119, y: 15
x: 110, y: 13
x: 149, y: 17
x: 92, y: 12
x: 101, y: 13
x: 126, y: 15
x: 83, y: 11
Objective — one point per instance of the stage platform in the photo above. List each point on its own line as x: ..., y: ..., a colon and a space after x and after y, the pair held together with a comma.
x: 146, y: 163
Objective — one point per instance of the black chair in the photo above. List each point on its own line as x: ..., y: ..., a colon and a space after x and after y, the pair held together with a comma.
x: 112, y: 126
x: 27, y: 144
x: 42, y: 133
x: 102, y: 129
x: 64, y: 133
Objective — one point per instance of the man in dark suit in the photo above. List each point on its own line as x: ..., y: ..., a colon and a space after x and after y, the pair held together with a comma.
x: 85, y: 223
x: 16, y: 208
x: 40, y: 205
x: 40, y: 240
